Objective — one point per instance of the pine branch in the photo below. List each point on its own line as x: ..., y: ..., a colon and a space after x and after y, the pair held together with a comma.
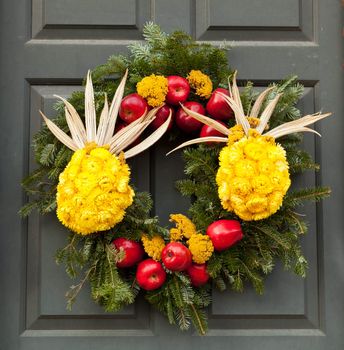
x: 300, y: 161
x: 153, y: 34
x: 199, y: 319
x: 73, y: 292
x: 273, y: 234
x: 297, y: 221
x: 27, y: 209
x: 301, y: 266
x: 183, y: 319
x: 296, y: 198
x: 48, y: 154
x: 238, y: 284
x: 140, y: 51
x: 214, y: 265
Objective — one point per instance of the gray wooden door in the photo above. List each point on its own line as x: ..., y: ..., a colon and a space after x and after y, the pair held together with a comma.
x: 47, y: 47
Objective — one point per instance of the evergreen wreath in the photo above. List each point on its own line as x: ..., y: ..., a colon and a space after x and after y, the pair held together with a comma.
x: 229, y: 237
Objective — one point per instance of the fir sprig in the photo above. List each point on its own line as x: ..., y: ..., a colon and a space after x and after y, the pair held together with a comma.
x: 92, y: 259
x: 181, y: 303
x: 265, y: 241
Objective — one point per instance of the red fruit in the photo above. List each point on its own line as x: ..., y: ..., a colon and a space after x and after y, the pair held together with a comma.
x: 150, y: 274
x: 187, y: 123
x: 210, y: 131
x: 198, y: 274
x: 119, y: 126
x: 176, y: 257
x: 217, y: 107
x: 161, y: 116
x: 224, y: 233
x: 132, y: 107
x: 133, y: 251
x: 178, y: 89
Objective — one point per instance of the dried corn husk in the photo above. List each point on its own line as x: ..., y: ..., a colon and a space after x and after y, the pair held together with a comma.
x: 104, y: 134
x: 200, y: 140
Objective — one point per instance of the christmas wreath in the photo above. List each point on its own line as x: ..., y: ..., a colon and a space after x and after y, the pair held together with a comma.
x: 242, y: 217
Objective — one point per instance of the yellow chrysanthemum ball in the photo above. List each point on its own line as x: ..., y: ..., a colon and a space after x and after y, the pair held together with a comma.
x: 201, y: 248
x: 154, y: 89
x: 184, y: 227
x: 93, y: 191
x: 153, y: 246
x: 237, y: 132
x: 201, y: 83
x: 253, y: 177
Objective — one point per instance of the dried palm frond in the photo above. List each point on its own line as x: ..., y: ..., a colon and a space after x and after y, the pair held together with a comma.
x: 81, y: 135
x: 235, y: 103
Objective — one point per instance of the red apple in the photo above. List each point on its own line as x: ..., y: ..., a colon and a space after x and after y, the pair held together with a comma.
x: 132, y: 107
x: 224, y: 233
x: 176, y: 257
x: 187, y: 123
x: 161, y: 116
x: 178, y: 89
x: 133, y: 252
x: 150, y: 274
x: 210, y: 131
x: 119, y: 126
x: 217, y: 107
x: 198, y: 274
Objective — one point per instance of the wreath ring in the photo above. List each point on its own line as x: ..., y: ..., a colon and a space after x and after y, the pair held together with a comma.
x: 242, y: 217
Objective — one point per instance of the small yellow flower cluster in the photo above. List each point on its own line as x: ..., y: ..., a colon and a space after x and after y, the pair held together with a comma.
x: 153, y: 246
x: 154, y: 89
x: 253, y: 177
x: 184, y: 227
x: 201, y: 82
x: 237, y: 132
x: 201, y: 248
x: 93, y: 191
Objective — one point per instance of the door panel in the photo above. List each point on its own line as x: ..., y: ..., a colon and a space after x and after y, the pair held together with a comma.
x: 46, y: 48
x: 268, y: 20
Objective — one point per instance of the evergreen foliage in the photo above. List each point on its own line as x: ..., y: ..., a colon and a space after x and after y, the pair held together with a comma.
x: 265, y: 241
x: 92, y: 259
x: 181, y: 303
x: 173, y: 54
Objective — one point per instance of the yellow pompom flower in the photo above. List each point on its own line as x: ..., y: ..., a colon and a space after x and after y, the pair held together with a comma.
x: 253, y: 176
x: 184, y: 227
x: 201, y: 83
x: 93, y: 191
x: 153, y: 246
x: 154, y: 89
x: 236, y: 132
x: 201, y: 248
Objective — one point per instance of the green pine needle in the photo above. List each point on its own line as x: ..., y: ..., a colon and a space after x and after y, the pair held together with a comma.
x: 92, y: 259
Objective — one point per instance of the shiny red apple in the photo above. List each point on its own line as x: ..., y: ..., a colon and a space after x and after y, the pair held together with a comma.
x: 187, y: 123
x: 224, y: 233
x: 176, y: 257
x: 161, y: 116
x: 132, y: 107
x: 198, y: 274
x: 150, y: 274
x: 178, y: 90
x: 210, y: 131
x: 217, y: 107
x: 133, y: 251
